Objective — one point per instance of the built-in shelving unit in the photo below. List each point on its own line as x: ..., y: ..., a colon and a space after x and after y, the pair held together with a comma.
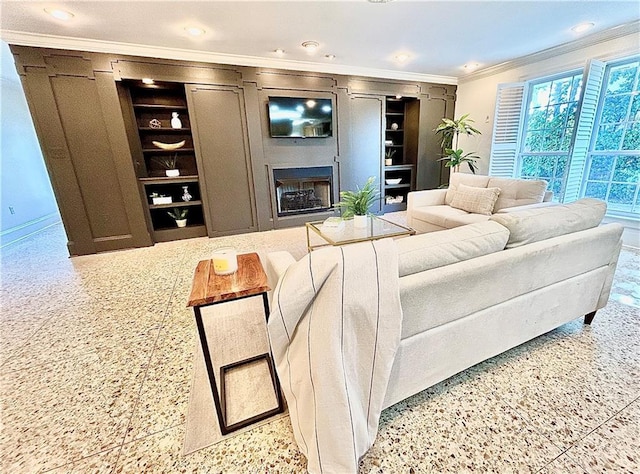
x: 153, y: 107
x: 400, y: 145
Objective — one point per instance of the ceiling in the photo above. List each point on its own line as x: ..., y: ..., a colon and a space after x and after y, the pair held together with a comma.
x: 440, y: 37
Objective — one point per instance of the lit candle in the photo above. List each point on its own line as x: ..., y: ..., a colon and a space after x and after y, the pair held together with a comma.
x: 225, y: 261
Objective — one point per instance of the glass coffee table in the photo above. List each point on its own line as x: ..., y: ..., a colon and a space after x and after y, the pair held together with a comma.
x: 346, y: 233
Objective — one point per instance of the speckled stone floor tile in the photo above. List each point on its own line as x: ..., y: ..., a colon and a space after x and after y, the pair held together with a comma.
x: 96, y: 356
x: 614, y: 446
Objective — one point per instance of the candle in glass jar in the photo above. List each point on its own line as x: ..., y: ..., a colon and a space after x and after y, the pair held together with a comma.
x: 225, y: 261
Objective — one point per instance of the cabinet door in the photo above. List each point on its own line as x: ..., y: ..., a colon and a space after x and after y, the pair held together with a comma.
x: 218, y: 122
x: 363, y: 158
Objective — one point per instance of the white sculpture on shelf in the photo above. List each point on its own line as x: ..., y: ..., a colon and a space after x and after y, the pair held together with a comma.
x: 175, y: 121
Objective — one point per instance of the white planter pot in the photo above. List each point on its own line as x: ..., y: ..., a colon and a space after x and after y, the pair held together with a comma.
x: 360, y: 221
x: 172, y: 173
x: 388, y: 161
x: 181, y: 222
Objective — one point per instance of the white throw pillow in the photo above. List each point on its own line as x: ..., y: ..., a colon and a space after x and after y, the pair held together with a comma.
x: 475, y: 200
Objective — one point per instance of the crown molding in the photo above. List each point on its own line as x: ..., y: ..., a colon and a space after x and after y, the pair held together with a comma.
x: 99, y: 46
x: 590, y: 40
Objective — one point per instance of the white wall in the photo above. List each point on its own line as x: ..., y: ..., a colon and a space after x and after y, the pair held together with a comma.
x: 24, y: 182
x: 477, y: 93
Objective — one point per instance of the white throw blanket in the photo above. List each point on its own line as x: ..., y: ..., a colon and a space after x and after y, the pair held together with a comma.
x: 334, y: 329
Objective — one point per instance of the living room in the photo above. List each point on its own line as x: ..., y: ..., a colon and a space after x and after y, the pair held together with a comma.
x: 98, y: 349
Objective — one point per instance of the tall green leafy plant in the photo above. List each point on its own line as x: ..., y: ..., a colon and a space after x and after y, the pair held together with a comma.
x: 451, y: 131
x: 358, y: 202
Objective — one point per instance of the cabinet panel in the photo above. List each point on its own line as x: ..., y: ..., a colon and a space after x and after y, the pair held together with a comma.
x: 365, y: 144
x: 220, y: 137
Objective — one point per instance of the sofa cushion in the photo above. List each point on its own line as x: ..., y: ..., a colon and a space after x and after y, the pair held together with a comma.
x: 518, y: 192
x: 533, y: 225
x: 456, y: 179
x: 437, y: 249
x: 446, y: 217
x: 475, y: 200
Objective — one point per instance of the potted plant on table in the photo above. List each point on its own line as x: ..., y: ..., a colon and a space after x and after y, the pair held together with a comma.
x: 180, y: 215
x: 357, y: 203
x: 169, y: 163
x: 452, y: 155
x: 388, y: 157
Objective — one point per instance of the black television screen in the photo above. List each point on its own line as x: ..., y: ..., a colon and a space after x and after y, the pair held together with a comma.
x: 300, y: 117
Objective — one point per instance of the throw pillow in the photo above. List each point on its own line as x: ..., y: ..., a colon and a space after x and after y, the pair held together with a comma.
x: 475, y: 200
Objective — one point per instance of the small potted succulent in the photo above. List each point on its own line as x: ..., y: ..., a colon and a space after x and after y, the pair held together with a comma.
x: 180, y: 215
x: 169, y: 163
x: 388, y: 157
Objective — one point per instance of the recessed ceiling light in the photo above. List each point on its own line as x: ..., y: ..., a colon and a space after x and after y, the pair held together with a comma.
x: 330, y: 57
x: 379, y: 1
x: 402, y: 57
x: 583, y: 27
x: 59, y: 14
x: 147, y: 80
x: 310, y: 46
x: 471, y: 67
x: 194, y: 30
x: 279, y: 51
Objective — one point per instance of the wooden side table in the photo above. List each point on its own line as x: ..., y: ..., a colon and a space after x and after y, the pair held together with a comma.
x: 209, y: 289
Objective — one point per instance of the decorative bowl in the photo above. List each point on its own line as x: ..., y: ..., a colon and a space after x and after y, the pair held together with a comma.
x: 169, y: 146
x: 393, y: 181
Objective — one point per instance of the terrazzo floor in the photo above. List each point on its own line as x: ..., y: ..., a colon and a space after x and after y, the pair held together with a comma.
x: 96, y: 358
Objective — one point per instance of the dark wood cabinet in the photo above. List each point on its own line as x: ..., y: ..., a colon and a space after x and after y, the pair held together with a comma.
x: 165, y: 161
x: 402, y: 117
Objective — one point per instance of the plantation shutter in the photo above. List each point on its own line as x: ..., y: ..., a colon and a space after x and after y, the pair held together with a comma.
x: 505, y: 143
x: 591, y: 86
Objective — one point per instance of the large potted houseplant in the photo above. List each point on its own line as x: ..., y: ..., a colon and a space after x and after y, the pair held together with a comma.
x: 357, y: 203
x: 451, y: 131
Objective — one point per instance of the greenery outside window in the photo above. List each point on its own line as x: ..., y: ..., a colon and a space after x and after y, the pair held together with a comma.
x: 613, y: 172
x: 548, y: 131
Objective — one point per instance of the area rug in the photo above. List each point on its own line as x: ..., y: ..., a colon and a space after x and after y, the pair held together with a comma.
x: 235, y: 331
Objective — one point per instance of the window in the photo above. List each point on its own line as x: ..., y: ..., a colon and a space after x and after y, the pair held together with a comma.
x: 549, y: 125
x: 580, y: 132
x: 613, y: 172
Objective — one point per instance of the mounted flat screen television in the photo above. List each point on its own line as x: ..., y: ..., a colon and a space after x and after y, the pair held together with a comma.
x: 297, y: 117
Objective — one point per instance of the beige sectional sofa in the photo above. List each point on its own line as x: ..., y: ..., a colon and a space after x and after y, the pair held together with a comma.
x: 475, y: 291
x: 466, y: 294
x: 473, y: 198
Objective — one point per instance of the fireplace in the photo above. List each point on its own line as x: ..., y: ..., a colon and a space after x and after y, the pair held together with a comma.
x: 303, y: 190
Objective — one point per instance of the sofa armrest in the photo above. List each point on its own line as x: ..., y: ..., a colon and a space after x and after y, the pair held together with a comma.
x: 429, y: 197
x: 277, y: 264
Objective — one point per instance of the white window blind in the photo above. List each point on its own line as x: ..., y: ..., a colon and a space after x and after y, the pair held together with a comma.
x: 592, y: 83
x: 505, y: 143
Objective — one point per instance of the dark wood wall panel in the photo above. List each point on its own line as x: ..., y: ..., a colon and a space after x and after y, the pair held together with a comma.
x: 220, y: 135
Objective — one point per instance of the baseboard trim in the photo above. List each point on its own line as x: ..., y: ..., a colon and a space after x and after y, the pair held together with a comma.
x: 27, y: 229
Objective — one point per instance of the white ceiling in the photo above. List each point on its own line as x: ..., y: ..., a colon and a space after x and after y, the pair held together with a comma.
x: 439, y: 36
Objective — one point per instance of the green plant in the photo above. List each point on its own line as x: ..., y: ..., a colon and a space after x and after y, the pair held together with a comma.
x: 358, y: 202
x: 178, y: 213
x: 451, y: 131
x: 389, y: 154
x: 167, y: 162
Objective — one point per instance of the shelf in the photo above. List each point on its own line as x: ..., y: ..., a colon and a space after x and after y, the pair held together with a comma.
x: 168, y: 234
x: 397, y: 186
x: 164, y: 130
x: 399, y: 206
x: 160, y: 150
x: 394, y: 114
x: 396, y: 130
x: 169, y: 180
x: 175, y: 204
x: 398, y: 167
x: 394, y: 146
x: 160, y: 107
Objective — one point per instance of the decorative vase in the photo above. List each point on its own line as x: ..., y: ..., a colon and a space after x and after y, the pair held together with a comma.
x: 388, y: 161
x: 360, y: 221
x: 181, y: 222
x: 175, y: 121
x: 172, y: 173
x: 394, y: 126
x: 185, y: 195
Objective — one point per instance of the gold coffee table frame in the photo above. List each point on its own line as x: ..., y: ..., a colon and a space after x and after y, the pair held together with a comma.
x: 377, y: 228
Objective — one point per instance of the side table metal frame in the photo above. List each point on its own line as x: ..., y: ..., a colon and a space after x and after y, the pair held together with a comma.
x: 220, y: 405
